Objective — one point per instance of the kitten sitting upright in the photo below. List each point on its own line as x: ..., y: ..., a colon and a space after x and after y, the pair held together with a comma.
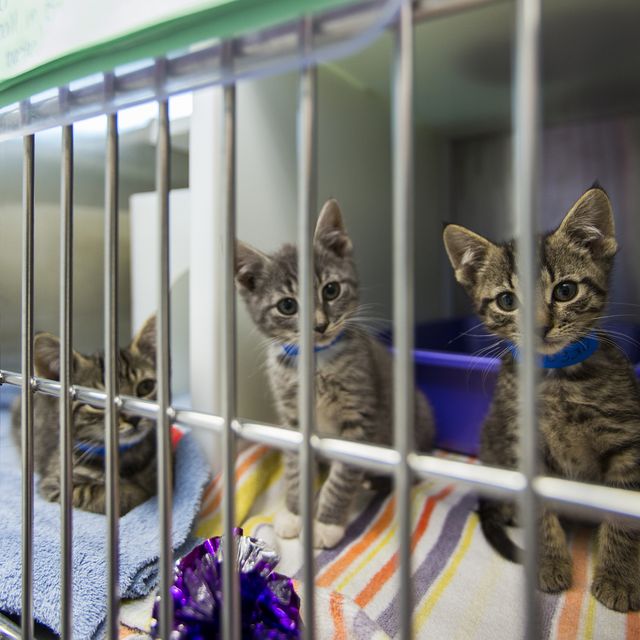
x: 353, y: 369
x: 137, y: 377
x: 589, y: 401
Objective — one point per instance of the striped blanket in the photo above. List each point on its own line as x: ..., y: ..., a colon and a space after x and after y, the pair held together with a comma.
x: 462, y: 589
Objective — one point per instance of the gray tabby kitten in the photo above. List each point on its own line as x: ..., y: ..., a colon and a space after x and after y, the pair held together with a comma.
x: 589, y: 412
x: 137, y: 377
x: 353, y: 369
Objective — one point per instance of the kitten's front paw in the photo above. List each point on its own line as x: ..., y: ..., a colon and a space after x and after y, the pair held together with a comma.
x: 617, y: 593
x: 49, y: 489
x: 327, y: 536
x: 287, y: 524
x: 554, y: 575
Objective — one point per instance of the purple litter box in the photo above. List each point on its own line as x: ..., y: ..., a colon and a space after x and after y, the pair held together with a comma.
x: 460, y: 385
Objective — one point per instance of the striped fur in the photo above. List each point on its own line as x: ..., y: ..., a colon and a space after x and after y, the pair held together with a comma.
x: 136, y: 376
x: 589, y: 413
x: 353, y: 377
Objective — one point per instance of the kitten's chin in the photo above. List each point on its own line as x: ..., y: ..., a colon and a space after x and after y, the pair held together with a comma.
x: 548, y: 347
x: 131, y: 438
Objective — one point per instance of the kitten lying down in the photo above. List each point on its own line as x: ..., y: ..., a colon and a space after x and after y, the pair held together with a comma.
x: 589, y: 409
x: 136, y: 377
x: 353, y: 369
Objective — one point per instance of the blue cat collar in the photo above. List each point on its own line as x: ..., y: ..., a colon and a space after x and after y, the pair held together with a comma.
x: 99, y: 451
x: 292, y: 350
x: 573, y: 353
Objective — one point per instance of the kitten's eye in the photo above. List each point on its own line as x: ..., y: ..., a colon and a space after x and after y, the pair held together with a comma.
x: 507, y: 301
x: 331, y: 290
x: 287, y: 306
x: 145, y: 387
x: 565, y: 291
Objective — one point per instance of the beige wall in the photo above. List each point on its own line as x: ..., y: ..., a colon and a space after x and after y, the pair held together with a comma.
x: 137, y: 174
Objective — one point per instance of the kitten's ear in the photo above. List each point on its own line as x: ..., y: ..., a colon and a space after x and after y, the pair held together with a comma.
x: 590, y: 223
x: 46, y: 357
x: 144, y: 342
x: 330, y: 230
x: 250, y: 265
x: 467, y: 252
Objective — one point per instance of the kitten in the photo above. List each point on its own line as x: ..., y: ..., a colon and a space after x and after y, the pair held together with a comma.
x: 353, y: 369
x: 136, y: 371
x: 589, y: 411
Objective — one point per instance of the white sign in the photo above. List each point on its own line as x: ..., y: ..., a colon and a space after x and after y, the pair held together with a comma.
x: 33, y: 32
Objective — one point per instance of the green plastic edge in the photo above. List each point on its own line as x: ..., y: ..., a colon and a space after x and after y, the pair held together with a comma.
x: 222, y: 21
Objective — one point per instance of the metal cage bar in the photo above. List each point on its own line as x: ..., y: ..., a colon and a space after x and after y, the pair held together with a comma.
x: 28, y: 187
x: 66, y: 366
x: 163, y: 424
x: 403, y: 300
x: 307, y: 202
x: 111, y: 415
x: 525, y: 158
x: 231, y: 587
x: 570, y: 496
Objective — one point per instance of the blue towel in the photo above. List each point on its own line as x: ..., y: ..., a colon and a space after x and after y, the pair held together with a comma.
x: 139, y: 543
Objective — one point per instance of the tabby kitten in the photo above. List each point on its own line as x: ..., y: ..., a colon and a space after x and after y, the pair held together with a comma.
x: 136, y: 374
x: 589, y: 410
x: 353, y: 369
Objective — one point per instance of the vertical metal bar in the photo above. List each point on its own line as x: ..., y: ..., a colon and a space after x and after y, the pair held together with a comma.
x: 28, y: 193
x: 66, y: 341
x: 403, y: 298
x: 307, y: 203
x: 231, y: 601
x: 112, y: 462
x: 165, y: 470
x: 525, y: 159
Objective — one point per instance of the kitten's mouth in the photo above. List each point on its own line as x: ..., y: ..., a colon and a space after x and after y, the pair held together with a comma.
x: 327, y: 338
x: 549, y: 346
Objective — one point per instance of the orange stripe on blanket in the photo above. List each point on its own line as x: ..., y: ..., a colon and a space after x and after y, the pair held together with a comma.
x: 336, y: 601
x: 633, y: 625
x: 240, y: 471
x: 384, y: 573
x: 343, y: 561
x: 569, y: 621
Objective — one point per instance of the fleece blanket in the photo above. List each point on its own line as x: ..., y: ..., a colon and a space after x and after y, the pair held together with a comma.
x: 462, y: 589
x: 139, y: 542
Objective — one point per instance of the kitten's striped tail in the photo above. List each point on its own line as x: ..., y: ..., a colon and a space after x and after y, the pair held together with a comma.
x: 493, y: 527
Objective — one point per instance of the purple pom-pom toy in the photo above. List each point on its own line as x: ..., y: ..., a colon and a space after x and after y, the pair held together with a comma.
x: 270, y: 607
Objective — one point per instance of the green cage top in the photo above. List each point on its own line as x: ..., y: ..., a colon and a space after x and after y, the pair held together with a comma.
x: 48, y: 43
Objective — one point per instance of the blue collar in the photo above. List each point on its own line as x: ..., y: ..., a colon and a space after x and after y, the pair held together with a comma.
x: 292, y: 350
x: 100, y: 450
x: 573, y: 353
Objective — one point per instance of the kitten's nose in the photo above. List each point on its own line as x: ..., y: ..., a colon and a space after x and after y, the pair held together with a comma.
x: 322, y: 327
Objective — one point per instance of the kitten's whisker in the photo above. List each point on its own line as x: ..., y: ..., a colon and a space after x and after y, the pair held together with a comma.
x: 468, y: 333
x: 487, y: 368
x: 492, y: 352
x: 619, y: 335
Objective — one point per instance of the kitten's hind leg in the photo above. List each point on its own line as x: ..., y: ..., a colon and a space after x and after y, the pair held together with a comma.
x: 334, y: 501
